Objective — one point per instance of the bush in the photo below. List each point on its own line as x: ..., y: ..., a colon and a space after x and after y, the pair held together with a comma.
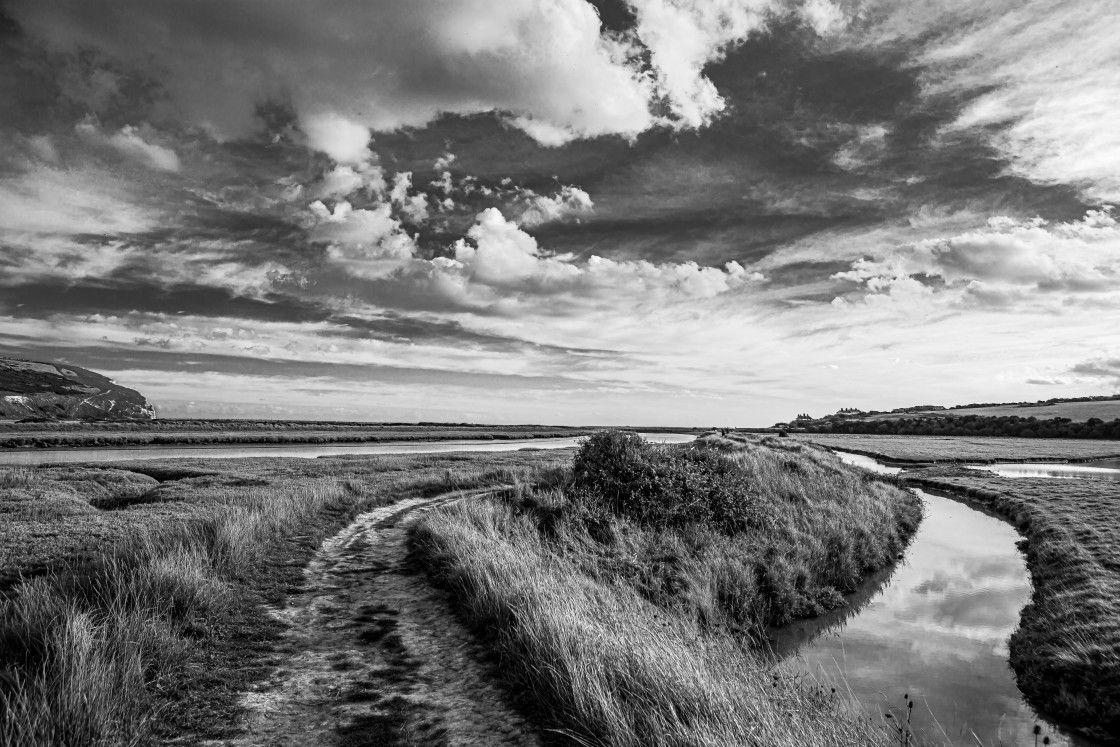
x: 662, y: 486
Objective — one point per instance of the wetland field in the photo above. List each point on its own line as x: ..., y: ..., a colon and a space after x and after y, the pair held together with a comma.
x: 619, y: 592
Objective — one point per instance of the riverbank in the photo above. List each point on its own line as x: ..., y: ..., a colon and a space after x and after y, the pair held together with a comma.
x: 134, y: 600
x: 622, y: 594
x: 1066, y: 650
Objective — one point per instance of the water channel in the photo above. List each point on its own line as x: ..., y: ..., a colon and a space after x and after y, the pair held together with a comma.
x: 306, y: 451
x: 934, y: 627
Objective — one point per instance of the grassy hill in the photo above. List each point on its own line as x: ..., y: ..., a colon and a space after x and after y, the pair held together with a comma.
x: 1078, y: 412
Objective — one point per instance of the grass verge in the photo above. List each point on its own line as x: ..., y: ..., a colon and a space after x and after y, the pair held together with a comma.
x: 626, y: 595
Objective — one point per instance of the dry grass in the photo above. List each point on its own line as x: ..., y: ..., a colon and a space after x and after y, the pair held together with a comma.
x: 627, y: 634
x: 1066, y: 651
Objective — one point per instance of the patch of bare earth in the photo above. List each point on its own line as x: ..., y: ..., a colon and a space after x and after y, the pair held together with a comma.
x: 374, y: 654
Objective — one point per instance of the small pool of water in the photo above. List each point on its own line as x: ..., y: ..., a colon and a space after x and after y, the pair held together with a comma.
x: 934, y: 627
x: 1054, y: 471
x: 304, y: 451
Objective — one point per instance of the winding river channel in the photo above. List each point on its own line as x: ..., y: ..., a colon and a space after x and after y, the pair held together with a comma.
x: 934, y: 627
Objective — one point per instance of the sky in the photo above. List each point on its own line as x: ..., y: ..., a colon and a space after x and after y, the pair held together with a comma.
x: 640, y: 212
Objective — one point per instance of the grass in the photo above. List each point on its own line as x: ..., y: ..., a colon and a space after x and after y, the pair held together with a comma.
x: 1066, y: 651
x: 132, y: 604
x: 933, y: 449
x: 630, y: 623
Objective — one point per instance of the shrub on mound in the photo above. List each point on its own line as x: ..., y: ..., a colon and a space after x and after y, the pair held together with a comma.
x: 660, y: 486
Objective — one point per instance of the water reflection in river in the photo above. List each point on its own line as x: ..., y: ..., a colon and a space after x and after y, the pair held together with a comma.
x: 936, y: 629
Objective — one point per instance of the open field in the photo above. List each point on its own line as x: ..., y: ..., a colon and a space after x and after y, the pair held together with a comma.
x: 623, y: 594
x: 929, y: 449
x: 1066, y: 652
x: 133, y: 603
x: 1075, y: 411
x: 194, y: 432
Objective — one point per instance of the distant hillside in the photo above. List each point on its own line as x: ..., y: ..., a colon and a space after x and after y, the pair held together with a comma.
x: 1084, y: 417
x: 32, y: 389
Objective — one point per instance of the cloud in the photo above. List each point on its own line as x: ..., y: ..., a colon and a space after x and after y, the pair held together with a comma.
x: 1038, y: 79
x: 412, y: 205
x: 505, y: 254
x: 346, y: 141
x: 42, y: 146
x: 129, y: 143
x: 570, y: 202
x: 502, y: 270
x: 377, y: 65
x: 1005, y: 262
x: 383, y: 64
x: 683, y: 36
x: 1104, y: 370
x: 342, y: 180
x: 49, y: 200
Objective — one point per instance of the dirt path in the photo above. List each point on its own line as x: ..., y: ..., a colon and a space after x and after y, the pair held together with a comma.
x: 377, y: 657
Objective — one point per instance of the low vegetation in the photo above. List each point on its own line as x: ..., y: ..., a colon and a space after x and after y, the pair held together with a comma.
x: 132, y: 600
x: 934, y: 449
x: 1066, y: 651
x: 626, y: 594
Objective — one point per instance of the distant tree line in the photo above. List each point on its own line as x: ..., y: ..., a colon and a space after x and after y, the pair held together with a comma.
x: 972, y: 425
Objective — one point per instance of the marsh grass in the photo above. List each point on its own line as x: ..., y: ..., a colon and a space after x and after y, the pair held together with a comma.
x: 132, y: 600
x: 87, y: 650
x: 627, y: 623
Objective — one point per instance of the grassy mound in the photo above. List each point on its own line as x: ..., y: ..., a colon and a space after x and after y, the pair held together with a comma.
x: 624, y: 593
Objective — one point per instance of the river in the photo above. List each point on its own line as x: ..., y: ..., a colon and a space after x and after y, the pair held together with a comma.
x: 934, y: 627
x: 28, y: 457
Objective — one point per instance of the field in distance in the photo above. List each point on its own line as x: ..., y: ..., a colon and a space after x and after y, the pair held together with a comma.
x: 942, y: 449
x: 1078, y: 412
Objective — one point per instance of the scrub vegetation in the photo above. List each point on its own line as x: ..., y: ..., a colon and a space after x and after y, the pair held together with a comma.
x: 132, y: 601
x: 627, y: 593
x: 1066, y: 651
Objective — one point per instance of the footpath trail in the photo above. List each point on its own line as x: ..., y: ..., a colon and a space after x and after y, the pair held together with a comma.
x: 376, y: 655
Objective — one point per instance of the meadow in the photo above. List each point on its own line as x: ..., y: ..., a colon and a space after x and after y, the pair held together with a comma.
x: 626, y: 594
x: 947, y: 449
x: 133, y: 599
x: 1066, y: 651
